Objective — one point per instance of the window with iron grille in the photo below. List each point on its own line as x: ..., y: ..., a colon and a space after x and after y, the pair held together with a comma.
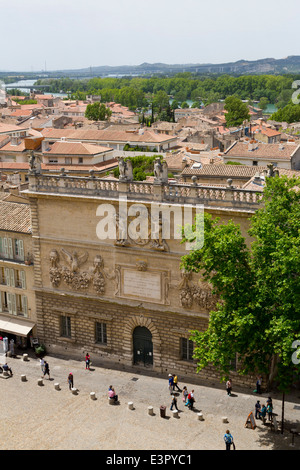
x: 65, y: 326
x: 101, y: 337
x: 187, y: 348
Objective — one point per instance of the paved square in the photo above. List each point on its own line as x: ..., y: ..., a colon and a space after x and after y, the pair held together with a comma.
x: 35, y: 417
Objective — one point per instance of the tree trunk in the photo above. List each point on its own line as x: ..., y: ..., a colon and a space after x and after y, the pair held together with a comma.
x: 282, y: 413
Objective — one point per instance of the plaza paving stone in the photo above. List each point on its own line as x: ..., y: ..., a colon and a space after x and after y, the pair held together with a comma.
x: 37, y: 417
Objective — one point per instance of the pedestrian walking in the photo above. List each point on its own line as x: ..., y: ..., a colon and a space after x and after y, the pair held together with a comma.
x: 174, y: 402
x: 257, y: 409
x: 184, y: 394
x: 229, y: 387
x: 269, y: 401
x: 42, y: 363
x: 46, y: 369
x: 70, y: 380
x: 270, y: 411
x: 175, y: 383
x: 171, y: 381
x: 258, y: 384
x: 190, y: 400
x: 87, y: 361
x: 228, y: 438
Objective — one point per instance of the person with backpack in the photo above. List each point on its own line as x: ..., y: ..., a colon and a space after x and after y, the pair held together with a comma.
x: 171, y: 382
x: 228, y: 440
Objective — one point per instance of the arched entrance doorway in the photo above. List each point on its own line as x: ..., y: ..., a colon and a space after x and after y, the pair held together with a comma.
x: 142, y: 346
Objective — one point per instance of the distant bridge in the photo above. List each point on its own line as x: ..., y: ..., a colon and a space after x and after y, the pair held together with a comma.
x: 29, y: 87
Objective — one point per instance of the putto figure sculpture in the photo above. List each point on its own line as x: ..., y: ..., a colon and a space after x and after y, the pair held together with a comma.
x: 160, y: 171
x: 125, y: 169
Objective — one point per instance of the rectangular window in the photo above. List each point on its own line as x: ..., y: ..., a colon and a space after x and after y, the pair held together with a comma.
x: 65, y: 326
x: 21, y: 304
x: 187, y: 348
x: 2, y: 276
x: 68, y: 160
x: 20, y: 279
x: 101, y: 337
x: 19, y: 250
x: 11, y: 303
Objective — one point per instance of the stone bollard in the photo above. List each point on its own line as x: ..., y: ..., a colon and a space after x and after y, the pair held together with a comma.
x: 150, y: 410
x: 93, y: 396
x: 74, y: 391
x: 25, y: 357
x: 5, y: 373
x: 23, y: 378
x: 175, y: 413
x: 57, y: 386
x: 200, y: 417
x: 130, y: 405
x: 225, y: 419
x: 40, y: 382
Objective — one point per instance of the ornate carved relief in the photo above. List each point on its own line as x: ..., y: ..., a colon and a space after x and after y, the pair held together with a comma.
x: 71, y: 274
x: 126, y: 237
x: 199, y: 294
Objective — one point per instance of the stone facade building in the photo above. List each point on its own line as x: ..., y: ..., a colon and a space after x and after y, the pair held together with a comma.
x: 17, y: 296
x: 123, y: 298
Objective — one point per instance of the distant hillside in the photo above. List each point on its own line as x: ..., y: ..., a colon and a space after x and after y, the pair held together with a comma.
x: 289, y: 64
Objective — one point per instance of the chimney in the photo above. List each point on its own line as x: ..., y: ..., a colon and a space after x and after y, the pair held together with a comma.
x: 15, y: 140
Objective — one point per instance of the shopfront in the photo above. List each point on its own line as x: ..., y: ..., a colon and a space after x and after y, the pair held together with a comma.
x: 15, y: 334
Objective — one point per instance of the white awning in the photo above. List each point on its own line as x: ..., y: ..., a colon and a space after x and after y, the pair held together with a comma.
x: 15, y: 326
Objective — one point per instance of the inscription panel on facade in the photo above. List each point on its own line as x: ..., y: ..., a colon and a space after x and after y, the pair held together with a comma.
x: 141, y: 285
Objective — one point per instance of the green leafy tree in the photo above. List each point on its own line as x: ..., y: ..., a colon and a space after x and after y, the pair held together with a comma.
x: 184, y: 105
x: 175, y: 104
x: 160, y: 100
x: 263, y: 103
x: 237, y: 111
x: 290, y: 113
x: 97, y: 112
x: 257, y: 317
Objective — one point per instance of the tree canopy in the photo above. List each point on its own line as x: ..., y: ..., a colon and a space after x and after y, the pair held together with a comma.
x: 139, y: 92
x: 257, y: 317
x: 97, y: 112
x: 237, y: 111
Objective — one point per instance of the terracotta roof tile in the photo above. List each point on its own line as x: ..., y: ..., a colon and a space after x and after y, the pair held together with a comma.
x: 15, y: 217
x: 274, y: 151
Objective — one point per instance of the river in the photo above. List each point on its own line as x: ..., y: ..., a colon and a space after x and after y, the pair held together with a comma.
x: 19, y: 84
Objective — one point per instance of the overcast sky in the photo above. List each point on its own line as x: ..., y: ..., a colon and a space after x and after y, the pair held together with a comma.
x: 70, y: 34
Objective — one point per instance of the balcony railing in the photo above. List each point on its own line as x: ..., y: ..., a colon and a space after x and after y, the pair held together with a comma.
x: 146, y: 191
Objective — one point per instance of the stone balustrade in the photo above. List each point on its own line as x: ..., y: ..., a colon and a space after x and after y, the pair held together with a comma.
x: 193, y: 193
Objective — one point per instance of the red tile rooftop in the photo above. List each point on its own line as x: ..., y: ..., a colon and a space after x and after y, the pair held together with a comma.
x: 254, y: 149
x: 107, y: 135
x: 75, y: 148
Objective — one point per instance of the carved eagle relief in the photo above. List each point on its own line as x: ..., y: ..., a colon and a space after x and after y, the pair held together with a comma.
x: 74, y: 259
